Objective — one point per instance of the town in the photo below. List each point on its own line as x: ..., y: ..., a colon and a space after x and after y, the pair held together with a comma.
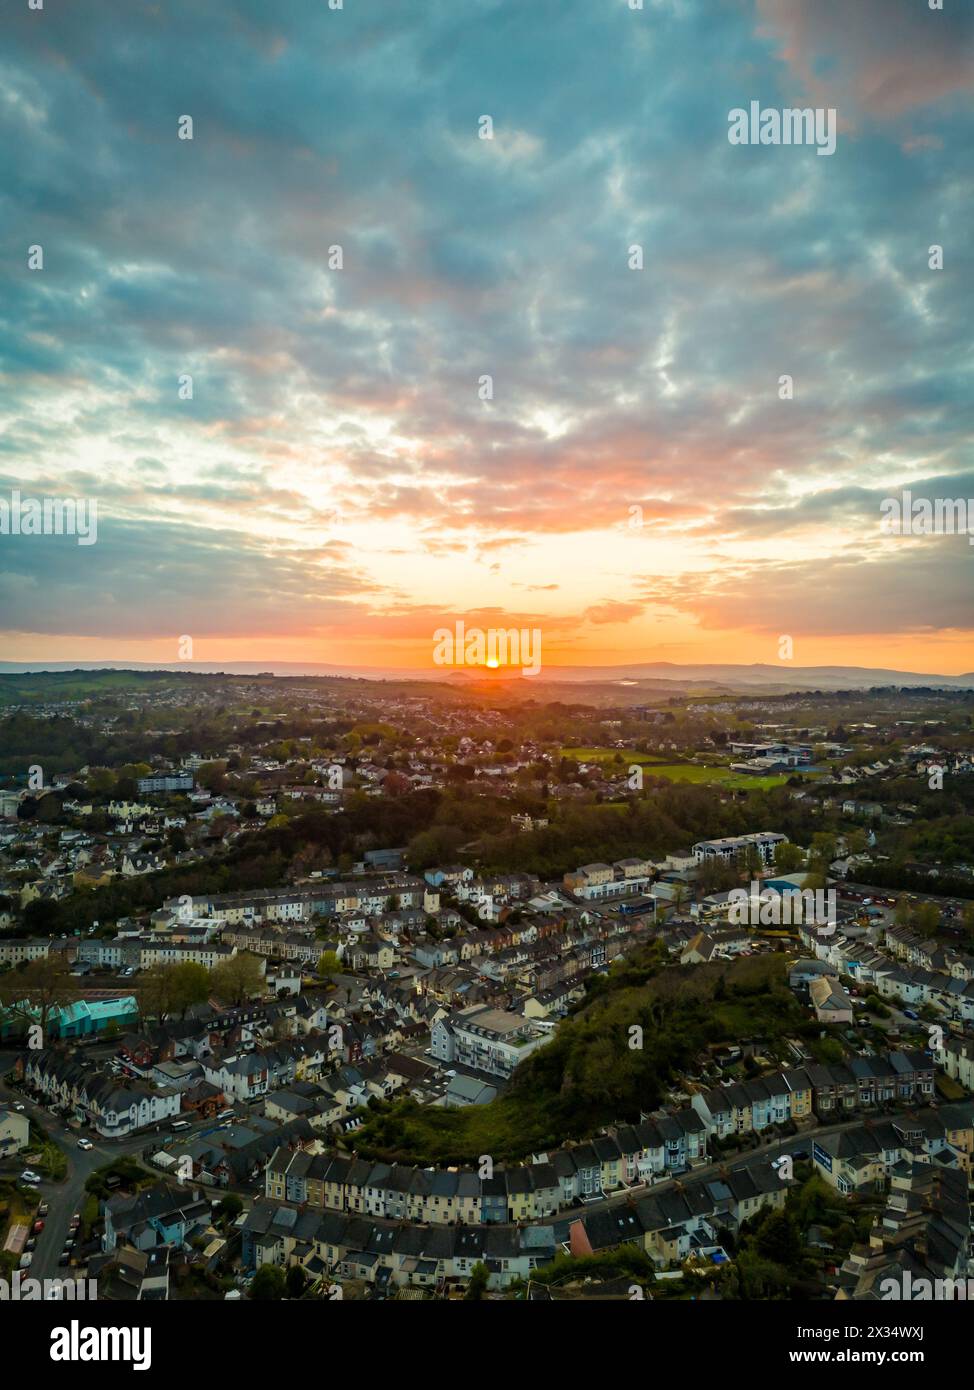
x: 318, y: 988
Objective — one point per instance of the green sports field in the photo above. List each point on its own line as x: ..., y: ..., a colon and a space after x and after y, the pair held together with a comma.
x: 606, y: 755
x: 675, y: 772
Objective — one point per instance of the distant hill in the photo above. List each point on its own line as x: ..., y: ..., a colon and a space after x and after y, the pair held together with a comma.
x: 761, y: 674
x: 661, y: 676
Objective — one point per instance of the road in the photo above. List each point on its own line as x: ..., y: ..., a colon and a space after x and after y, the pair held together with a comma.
x: 940, y: 899
x: 67, y: 1197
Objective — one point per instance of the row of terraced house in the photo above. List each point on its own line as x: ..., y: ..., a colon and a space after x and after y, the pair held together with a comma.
x: 924, y: 973
x: 669, y: 1225
x: 819, y: 1090
x: 327, y: 899
x: 627, y: 1156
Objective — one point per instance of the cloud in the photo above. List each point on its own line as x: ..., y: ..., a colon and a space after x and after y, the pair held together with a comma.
x: 613, y: 612
x: 876, y: 57
x: 336, y: 454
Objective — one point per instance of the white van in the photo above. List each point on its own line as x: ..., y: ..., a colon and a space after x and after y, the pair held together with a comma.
x: 178, y: 1126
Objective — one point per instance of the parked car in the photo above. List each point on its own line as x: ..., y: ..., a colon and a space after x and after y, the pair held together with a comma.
x: 19, y: 1105
x: 28, y: 1175
x: 85, y: 1144
x: 75, y: 1221
x: 64, y: 1258
x: 42, y: 1209
x: 37, y: 1227
x: 26, y: 1260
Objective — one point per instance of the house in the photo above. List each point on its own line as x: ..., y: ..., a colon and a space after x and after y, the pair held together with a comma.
x: 922, y: 1237
x: 830, y: 1001
x: 468, y: 1090
x: 114, y: 1108
x: 14, y: 952
x: 862, y: 1158
x: 14, y: 1132
x: 127, y: 1275
x: 164, y: 1214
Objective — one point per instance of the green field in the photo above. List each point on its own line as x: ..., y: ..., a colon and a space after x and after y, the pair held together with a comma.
x: 675, y: 772
x: 607, y: 755
x: 715, y: 776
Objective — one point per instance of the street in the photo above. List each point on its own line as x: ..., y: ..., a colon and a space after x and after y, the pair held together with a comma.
x: 63, y: 1198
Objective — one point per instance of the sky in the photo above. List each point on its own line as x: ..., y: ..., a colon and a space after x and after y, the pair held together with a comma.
x: 341, y: 484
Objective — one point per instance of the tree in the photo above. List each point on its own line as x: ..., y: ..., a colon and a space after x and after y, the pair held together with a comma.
x: 477, y: 1286
x: 926, y: 919
x: 40, y: 916
x: 857, y: 842
x: 395, y: 784
x: 212, y: 777
x: 779, y: 1240
x: 238, y: 978
x: 157, y: 992
x: 230, y: 1206
x: 329, y: 964
x: 968, y: 919
x: 295, y: 1281
x: 788, y: 857
x: 35, y: 991
x: 823, y: 848
x: 190, y: 985
x: 269, y: 1283
x: 753, y: 863
x: 715, y: 876
x: 48, y: 808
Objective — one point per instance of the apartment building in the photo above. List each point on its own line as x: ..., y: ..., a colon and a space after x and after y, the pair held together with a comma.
x: 734, y: 847
x: 489, y: 1040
